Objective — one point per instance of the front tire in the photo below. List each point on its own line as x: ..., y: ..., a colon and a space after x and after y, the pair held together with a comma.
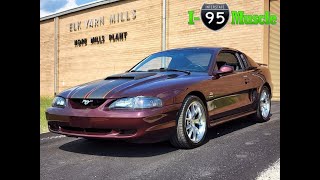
x: 191, y: 126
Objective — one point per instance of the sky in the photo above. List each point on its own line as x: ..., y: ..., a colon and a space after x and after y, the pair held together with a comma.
x: 48, y: 7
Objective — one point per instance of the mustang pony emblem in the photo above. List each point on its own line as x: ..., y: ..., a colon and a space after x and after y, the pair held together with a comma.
x: 86, y: 102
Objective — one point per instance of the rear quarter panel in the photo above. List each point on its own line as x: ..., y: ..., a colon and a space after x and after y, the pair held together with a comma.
x: 267, y: 75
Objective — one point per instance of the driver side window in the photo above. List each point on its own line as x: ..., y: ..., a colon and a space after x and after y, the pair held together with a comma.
x: 228, y: 58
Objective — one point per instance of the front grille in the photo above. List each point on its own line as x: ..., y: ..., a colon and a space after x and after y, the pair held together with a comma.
x: 89, y: 130
x: 80, y: 103
x: 68, y: 128
x: 65, y: 127
x: 127, y: 131
x: 98, y: 130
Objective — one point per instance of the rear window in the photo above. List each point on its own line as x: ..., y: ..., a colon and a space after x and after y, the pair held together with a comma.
x: 251, y: 62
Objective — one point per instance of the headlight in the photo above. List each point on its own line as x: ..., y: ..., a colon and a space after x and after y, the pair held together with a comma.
x: 59, y: 102
x: 139, y: 102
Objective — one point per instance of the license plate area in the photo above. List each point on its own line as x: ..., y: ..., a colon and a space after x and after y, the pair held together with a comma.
x: 81, y: 122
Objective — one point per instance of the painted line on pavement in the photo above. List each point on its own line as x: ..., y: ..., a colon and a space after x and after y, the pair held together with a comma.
x: 272, y: 173
x: 52, y: 137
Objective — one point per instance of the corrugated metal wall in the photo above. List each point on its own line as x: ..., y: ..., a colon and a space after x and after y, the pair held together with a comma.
x: 274, y: 50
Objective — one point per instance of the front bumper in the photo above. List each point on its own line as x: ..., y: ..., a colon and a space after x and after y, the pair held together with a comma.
x: 148, y: 125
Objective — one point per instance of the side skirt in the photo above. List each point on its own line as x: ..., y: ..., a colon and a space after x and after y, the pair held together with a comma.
x: 229, y: 118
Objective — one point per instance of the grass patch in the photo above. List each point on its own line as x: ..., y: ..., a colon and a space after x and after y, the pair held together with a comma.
x: 45, y: 102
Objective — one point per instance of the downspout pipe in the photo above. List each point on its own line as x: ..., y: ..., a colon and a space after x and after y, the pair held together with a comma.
x: 55, y: 81
x: 164, y: 24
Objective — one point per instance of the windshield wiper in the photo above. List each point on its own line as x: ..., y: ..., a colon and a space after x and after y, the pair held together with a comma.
x: 136, y: 71
x: 177, y: 70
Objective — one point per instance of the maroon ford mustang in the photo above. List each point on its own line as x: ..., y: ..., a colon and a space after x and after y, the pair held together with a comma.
x: 171, y: 95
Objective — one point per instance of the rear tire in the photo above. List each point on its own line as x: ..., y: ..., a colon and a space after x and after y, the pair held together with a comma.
x: 191, y: 126
x: 263, y: 106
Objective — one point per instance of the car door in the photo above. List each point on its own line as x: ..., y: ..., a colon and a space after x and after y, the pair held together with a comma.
x: 252, y: 77
x: 229, y: 92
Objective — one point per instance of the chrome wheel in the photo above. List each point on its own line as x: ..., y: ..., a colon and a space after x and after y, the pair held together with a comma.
x: 265, y: 103
x: 195, y: 122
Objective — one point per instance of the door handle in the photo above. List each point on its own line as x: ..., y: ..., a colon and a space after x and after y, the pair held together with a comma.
x: 245, y: 76
x: 246, y: 80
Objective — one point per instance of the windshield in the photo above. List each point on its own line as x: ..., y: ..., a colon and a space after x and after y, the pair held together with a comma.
x: 192, y: 60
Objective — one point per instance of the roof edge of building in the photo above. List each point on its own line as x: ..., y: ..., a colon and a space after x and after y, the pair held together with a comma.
x: 79, y: 8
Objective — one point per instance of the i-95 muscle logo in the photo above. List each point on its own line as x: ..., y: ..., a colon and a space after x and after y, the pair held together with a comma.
x: 216, y: 16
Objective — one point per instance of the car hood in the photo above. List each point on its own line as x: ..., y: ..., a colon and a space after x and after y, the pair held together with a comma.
x: 129, y: 84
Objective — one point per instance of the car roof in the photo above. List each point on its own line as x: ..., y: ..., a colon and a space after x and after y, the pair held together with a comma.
x: 200, y: 47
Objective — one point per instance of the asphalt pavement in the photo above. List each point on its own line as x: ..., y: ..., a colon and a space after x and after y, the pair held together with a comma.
x: 240, y: 149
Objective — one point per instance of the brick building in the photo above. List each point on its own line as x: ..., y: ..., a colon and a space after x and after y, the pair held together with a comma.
x: 107, y: 37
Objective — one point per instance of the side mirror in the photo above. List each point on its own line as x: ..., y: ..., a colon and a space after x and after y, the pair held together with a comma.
x: 225, y: 69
